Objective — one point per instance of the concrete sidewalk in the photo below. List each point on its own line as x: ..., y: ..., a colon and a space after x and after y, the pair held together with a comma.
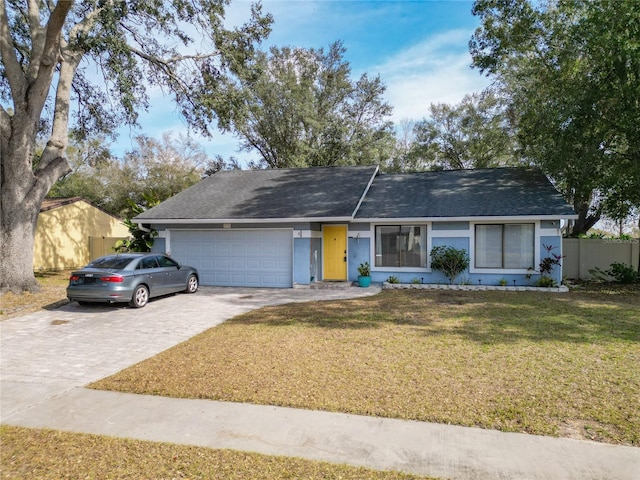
x: 47, y: 358
x: 442, y: 451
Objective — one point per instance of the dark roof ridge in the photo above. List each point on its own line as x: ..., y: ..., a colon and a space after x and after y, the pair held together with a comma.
x: 458, y: 170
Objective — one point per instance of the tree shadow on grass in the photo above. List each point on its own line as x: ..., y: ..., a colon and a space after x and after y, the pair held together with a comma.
x: 482, y: 317
x: 540, y: 317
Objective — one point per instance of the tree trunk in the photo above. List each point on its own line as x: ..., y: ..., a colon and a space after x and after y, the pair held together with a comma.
x: 585, y: 220
x: 18, y: 215
x: 21, y: 199
x: 22, y: 193
x: 23, y: 187
x: 17, y: 238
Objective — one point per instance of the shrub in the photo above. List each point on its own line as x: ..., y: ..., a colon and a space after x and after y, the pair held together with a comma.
x: 549, y: 263
x: 545, y: 282
x: 618, y: 271
x: 623, y: 273
x: 450, y: 261
x: 393, y: 279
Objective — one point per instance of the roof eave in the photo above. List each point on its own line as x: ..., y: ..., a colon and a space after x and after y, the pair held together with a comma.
x: 464, y: 218
x: 204, y: 221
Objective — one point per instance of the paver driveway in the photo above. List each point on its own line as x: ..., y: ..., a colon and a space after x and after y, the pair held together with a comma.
x: 45, y: 358
x: 49, y: 352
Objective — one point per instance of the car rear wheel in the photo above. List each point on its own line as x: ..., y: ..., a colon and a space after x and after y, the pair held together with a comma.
x: 140, y: 297
x: 192, y: 284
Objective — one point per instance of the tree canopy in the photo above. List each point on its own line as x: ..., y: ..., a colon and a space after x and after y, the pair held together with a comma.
x: 87, y: 64
x: 472, y: 134
x: 571, y: 71
x: 299, y: 107
x: 155, y: 169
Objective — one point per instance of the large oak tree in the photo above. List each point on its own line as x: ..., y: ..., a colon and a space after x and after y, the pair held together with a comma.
x: 299, y: 108
x: 472, y: 134
x: 571, y: 70
x: 96, y: 56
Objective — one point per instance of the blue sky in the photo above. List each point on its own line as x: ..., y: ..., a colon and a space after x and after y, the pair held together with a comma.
x: 419, y: 48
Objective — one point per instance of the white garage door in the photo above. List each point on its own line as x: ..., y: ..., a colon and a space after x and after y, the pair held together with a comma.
x: 237, y: 258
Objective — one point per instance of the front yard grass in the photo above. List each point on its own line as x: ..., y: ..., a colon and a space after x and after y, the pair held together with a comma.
x: 52, y: 294
x: 549, y: 364
x: 48, y: 454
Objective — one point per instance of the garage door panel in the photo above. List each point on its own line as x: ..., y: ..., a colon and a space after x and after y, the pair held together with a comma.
x: 253, y: 263
x: 270, y: 264
x: 257, y: 258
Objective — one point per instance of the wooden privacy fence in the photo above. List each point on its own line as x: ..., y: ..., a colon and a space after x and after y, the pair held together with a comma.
x: 583, y: 254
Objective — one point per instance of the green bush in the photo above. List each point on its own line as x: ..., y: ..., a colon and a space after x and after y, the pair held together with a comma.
x: 623, y: 273
x: 393, y: 279
x: 450, y: 261
x: 620, y: 272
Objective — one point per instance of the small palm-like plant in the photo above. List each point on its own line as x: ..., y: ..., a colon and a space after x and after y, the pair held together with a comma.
x: 364, y: 270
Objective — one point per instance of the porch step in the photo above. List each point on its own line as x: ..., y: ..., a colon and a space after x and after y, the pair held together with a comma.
x: 331, y: 285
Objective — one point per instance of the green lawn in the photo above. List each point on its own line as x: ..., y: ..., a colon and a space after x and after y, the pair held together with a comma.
x: 550, y: 364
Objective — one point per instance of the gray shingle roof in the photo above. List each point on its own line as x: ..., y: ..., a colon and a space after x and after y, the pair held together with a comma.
x: 464, y: 193
x: 324, y: 192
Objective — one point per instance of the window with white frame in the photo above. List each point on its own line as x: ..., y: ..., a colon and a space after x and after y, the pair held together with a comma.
x: 505, y: 246
x: 401, y: 246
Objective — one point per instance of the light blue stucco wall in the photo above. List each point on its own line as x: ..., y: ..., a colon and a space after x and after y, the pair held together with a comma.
x: 316, y: 259
x: 467, y: 277
x: 301, y: 260
x: 358, y: 249
x: 307, y: 258
x: 450, y: 226
x: 555, y: 245
x: 159, y: 246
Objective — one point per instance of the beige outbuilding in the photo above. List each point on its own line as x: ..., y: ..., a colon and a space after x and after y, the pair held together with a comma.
x: 72, y: 231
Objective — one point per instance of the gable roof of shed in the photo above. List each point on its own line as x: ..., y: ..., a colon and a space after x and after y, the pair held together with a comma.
x: 51, y: 203
x: 297, y: 193
x: 495, y: 192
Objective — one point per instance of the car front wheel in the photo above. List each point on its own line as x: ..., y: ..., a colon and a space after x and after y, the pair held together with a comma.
x: 140, y: 297
x: 192, y: 284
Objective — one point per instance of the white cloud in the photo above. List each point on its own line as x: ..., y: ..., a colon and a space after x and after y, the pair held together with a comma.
x: 434, y: 71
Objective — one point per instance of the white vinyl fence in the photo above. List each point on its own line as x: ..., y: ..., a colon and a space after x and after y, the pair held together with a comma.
x: 583, y: 254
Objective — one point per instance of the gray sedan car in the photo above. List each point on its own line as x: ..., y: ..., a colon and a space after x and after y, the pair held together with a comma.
x: 132, y: 278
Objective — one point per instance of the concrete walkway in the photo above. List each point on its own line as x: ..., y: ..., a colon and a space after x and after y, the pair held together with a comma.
x: 46, y: 358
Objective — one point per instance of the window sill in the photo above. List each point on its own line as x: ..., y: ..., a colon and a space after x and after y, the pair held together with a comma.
x: 504, y: 271
x: 401, y: 269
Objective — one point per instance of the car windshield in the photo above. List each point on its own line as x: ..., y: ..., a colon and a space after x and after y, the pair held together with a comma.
x: 116, y: 263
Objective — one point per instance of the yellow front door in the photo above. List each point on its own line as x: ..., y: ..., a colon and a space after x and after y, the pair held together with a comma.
x: 334, y: 239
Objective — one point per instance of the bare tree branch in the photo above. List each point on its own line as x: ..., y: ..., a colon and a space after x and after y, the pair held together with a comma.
x: 49, y: 60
